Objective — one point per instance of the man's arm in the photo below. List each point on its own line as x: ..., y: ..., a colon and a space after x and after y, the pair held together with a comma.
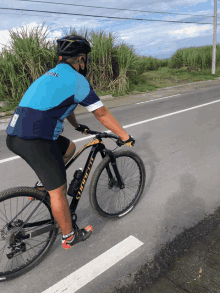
x: 107, y: 119
x: 72, y: 120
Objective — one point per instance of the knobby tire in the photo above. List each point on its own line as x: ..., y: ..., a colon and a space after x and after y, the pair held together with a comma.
x: 110, y: 194
x: 6, y: 215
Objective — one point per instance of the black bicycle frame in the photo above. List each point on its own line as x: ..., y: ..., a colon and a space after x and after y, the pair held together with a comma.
x: 97, y: 146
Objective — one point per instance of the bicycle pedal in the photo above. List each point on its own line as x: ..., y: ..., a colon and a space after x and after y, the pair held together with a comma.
x: 39, y: 185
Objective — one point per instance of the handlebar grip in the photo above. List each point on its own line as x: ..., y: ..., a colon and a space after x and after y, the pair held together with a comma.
x: 92, y: 132
x: 102, y: 134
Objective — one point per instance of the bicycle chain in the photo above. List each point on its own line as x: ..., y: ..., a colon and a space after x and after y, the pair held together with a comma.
x: 74, y: 226
x: 36, y: 245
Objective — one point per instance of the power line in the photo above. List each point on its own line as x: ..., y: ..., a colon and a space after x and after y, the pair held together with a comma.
x: 37, y: 15
x: 99, y: 16
x: 55, y: 16
x: 116, y: 8
x: 40, y: 16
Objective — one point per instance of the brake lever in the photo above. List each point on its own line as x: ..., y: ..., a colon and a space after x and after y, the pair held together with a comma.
x: 119, y: 143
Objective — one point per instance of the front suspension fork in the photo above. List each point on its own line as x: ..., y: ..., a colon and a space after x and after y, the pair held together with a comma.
x: 115, y: 168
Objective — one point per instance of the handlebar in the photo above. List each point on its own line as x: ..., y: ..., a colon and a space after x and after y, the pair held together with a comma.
x: 119, y: 142
x: 102, y: 134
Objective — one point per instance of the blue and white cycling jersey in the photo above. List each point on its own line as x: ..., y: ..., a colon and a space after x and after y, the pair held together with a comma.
x: 49, y: 100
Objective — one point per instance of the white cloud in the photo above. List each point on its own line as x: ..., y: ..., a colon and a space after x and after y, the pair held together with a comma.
x: 144, y: 36
x: 187, y: 2
x: 56, y: 34
x: 5, y: 37
x: 191, y: 31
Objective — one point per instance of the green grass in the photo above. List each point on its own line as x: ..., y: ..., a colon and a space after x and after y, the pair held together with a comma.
x: 153, y: 80
x: 167, y: 77
x: 115, y: 68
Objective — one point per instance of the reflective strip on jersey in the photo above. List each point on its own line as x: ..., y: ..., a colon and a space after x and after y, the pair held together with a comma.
x: 49, y: 100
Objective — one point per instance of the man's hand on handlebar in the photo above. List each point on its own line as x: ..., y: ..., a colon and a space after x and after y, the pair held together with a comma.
x: 85, y: 129
x: 130, y: 142
x: 82, y: 128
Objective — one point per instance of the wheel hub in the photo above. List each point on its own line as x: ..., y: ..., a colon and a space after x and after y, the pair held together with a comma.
x: 8, y: 235
x: 14, y: 243
x: 113, y: 183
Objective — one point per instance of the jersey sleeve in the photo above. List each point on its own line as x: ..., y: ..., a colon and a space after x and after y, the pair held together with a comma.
x: 86, y: 96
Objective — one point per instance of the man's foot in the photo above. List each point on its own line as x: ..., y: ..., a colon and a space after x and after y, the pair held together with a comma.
x: 76, y: 236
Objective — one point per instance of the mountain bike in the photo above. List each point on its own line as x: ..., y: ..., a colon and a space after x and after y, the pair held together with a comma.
x: 27, y: 226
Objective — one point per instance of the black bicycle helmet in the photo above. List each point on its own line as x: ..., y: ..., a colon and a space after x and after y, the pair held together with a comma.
x: 70, y: 46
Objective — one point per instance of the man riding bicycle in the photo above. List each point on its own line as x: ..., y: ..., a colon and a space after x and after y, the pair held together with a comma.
x: 34, y: 130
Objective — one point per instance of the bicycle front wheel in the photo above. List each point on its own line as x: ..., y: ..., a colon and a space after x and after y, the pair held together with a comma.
x: 20, y: 214
x: 106, y: 197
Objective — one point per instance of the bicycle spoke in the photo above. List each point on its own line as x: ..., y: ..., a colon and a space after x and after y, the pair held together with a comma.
x: 3, y: 220
x: 10, y: 207
x: 32, y: 247
x: 19, y: 209
x: 16, y: 261
x: 11, y: 264
x: 6, y: 266
x: 104, y: 199
x: 110, y: 197
x: 3, y: 250
x: 5, y: 213
x: 130, y: 187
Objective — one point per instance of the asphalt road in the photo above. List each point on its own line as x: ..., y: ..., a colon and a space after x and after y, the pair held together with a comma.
x: 181, y: 154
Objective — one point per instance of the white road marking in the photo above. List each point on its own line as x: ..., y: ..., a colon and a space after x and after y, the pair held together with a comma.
x: 133, y: 124
x: 97, y: 266
x: 10, y: 159
x: 157, y: 99
x: 170, y: 114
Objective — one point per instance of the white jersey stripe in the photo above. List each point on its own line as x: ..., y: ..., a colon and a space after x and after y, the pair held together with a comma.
x: 94, y: 106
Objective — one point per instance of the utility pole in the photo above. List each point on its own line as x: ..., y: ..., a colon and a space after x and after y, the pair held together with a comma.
x: 214, y: 38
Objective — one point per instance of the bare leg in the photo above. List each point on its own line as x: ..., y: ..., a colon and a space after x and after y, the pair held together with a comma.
x: 60, y: 208
x: 69, y: 153
x: 59, y: 203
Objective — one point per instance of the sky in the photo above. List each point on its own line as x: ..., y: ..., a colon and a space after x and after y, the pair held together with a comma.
x: 159, y: 39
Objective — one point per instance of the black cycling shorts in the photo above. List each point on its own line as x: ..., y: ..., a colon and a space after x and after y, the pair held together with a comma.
x: 44, y: 156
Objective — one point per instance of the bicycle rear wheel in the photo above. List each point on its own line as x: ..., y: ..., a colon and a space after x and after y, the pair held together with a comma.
x: 106, y: 197
x: 18, y: 256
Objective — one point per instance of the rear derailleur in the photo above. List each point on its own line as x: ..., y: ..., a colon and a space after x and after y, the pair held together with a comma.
x: 14, y: 238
